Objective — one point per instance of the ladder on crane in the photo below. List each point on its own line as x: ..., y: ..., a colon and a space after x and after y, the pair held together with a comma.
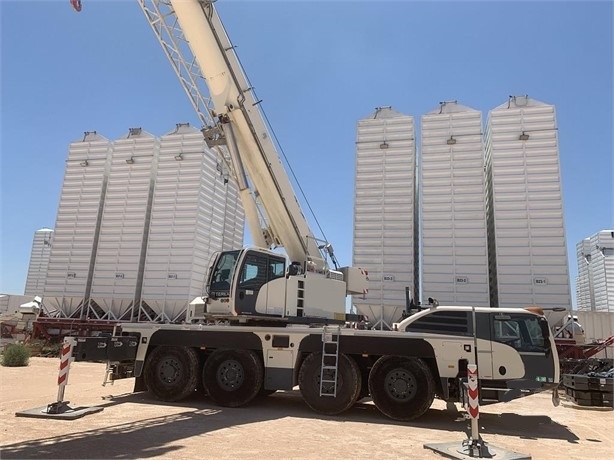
x: 330, y: 360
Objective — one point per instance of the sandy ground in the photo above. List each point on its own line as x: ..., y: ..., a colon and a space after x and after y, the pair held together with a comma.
x: 280, y: 426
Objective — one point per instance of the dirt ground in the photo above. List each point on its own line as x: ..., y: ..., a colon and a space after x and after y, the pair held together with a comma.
x: 280, y: 426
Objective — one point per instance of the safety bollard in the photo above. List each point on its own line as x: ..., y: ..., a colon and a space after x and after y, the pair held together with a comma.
x: 60, y: 408
x: 474, y: 445
x: 66, y: 359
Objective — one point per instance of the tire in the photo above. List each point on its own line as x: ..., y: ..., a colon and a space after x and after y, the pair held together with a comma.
x: 171, y: 373
x: 348, y: 384
x: 232, y: 378
x: 401, y: 388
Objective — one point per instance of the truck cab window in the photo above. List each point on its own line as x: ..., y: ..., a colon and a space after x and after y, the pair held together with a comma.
x: 522, y: 332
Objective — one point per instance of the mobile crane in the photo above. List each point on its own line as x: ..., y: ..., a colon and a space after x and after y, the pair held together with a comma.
x: 402, y: 370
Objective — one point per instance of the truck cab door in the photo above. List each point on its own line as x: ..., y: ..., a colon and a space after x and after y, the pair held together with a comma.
x: 521, y: 350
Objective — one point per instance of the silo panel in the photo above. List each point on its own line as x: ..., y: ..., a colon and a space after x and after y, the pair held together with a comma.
x: 194, y: 214
x: 124, y: 224
x: 525, y: 194
x: 453, y: 207
x: 81, y: 199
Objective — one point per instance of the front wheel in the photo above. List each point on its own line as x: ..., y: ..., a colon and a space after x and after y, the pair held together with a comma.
x: 401, y: 388
x: 232, y: 378
x: 171, y: 373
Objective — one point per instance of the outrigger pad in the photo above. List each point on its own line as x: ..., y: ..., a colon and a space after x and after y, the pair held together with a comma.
x: 457, y: 450
x: 59, y: 410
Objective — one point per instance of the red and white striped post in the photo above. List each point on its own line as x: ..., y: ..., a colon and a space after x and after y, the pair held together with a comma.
x: 65, y: 359
x: 474, y: 446
x: 60, y: 408
x: 473, y: 399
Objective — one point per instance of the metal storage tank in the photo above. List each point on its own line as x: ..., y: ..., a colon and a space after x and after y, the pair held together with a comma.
x: 602, y: 270
x: 76, y: 227
x: 123, y: 229
x: 195, y: 212
x: 39, y: 262
x: 585, y: 294
x: 453, y: 211
x: 527, y: 249
x: 10, y: 303
x: 385, y: 230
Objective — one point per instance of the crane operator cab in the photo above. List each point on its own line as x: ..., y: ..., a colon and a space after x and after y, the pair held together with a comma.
x: 254, y: 282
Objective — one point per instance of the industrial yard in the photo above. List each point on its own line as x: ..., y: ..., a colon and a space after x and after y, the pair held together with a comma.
x: 199, y: 312
x: 279, y: 426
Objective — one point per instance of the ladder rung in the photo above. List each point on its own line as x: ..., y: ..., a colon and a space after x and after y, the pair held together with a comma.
x: 330, y: 360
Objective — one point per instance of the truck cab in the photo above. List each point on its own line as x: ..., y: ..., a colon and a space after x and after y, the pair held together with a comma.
x: 512, y: 347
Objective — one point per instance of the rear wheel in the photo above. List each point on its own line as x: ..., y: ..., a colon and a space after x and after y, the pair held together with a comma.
x: 401, y: 388
x: 348, y: 384
x: 171, y: 373
x: 232, y: 378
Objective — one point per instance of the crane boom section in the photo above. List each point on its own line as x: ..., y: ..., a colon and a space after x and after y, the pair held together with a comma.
x: 234, y: 103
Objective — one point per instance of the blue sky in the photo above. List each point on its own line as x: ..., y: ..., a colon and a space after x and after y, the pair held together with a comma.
x: 318, y: 67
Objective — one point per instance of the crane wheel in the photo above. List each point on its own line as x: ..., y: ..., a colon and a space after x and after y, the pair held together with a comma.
x: 401, y: 388
x: 232, y: 378
x: 348, y: 384
x: 171, y: 373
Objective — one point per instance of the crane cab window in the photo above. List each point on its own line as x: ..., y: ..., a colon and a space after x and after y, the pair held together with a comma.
x: 277, y: 269
x: 253, y: 274
x: 222, y: 273
x: 259, y: 269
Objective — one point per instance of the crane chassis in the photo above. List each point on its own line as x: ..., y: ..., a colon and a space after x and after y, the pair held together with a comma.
x: 402, y: 370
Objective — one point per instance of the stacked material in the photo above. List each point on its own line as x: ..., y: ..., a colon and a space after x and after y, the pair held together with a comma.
x: 593, y: 389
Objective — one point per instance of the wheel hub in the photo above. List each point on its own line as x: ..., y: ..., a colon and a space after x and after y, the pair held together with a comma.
x: 169, y: 370
x: 230, y: 375
x: 400, y: 385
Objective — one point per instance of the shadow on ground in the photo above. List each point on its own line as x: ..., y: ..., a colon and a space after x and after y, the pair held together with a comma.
x: 151, y: 437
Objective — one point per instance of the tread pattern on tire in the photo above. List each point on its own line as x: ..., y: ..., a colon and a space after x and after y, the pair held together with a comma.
x: 252, y: 371
x: 396, y: 409
x: 183, y: 360
x: 348, y: 384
